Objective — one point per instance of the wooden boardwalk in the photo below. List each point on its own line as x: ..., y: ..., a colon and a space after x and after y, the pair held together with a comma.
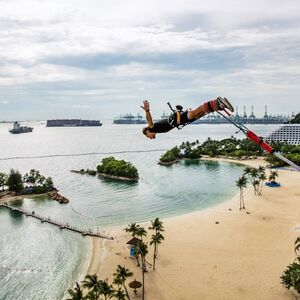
x: 87, y: 232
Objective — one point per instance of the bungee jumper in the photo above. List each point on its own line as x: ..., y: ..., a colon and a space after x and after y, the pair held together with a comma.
x: 179, y: 118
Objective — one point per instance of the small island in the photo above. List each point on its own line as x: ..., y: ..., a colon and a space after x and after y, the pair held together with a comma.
x: 113, y: 169
x: 231, y: 148
x: 15, y: 186
x: 184, y: 151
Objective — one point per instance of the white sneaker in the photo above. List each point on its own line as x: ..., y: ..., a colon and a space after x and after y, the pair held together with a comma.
x: 224, y: 103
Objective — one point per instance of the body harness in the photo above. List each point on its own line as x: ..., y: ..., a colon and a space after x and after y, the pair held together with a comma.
x: 175, y: 117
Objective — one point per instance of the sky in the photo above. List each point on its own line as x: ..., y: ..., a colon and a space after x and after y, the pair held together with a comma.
x: 98, y: 59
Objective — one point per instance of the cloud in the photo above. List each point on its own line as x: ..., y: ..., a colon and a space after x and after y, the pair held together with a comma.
x: 109, y: 55
x: 81, y: 106
x: 3, y: 102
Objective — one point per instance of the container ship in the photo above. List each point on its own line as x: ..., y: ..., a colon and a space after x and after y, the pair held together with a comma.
x: 130, y: 119
x: 17, y: 128
x: 72, y: 123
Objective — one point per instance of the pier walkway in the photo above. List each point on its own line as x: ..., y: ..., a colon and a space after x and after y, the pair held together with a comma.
x: 87, y: 232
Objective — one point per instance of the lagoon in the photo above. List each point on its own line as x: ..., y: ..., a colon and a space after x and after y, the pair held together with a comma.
x: 38, y: 261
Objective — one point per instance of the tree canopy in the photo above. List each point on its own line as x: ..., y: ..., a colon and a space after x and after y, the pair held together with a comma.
x: 119, y: 168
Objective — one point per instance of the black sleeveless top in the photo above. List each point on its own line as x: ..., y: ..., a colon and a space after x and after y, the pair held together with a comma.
x: 161, y: 126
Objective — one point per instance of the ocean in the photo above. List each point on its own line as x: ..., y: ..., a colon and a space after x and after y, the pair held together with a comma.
x: 40, y: 261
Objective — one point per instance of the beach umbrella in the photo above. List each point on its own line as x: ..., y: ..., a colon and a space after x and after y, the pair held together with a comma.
x: 135, y: 285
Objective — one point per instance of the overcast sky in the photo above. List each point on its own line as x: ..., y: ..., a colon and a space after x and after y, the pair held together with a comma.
x: 98, y: 59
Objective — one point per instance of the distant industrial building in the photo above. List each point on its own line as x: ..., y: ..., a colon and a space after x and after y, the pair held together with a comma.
x: 245, y: 118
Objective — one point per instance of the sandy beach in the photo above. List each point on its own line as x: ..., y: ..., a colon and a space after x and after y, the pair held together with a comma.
x: 242, y: 257
x: 10, y: 198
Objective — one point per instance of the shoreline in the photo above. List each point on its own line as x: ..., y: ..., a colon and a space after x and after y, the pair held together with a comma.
x: 104, y: 175
x: 21, y: 197
x: 220, y: 261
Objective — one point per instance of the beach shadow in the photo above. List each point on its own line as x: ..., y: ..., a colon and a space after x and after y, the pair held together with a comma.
x: 211, y: 165
x: 191, y: 162
x: 117, y: 182
x: 16, y: 217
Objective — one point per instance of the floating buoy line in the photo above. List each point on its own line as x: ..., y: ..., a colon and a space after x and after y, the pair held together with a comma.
x: 80, y: 154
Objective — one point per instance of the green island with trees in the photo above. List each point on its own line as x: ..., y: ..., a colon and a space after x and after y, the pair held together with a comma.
x: 32, y: 183
x: 113, y: 169
x: 230, y: 148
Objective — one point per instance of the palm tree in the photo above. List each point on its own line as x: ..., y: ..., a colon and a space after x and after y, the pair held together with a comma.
x: 15, y: 181
x: 132, y: 228
x: 106, y: 290
x: 156, y: 239
x: 241, y: 183
x: 141, y: 232
x: 262, y: 177
x: 76, y: 294
x: 3, y: 178
x: 142, y: 249
x: 120, y: 294
x: 91, y: 296
x: 252, y: 174
x: 297, y: 244
x: 117, y: 280
x: 157, y: 225
x: 92, y: 283
x: 273, y: 176
x: 121, y: 275
x: 33, y: 176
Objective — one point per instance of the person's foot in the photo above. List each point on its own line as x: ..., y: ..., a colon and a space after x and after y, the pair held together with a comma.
x: 224, y: 103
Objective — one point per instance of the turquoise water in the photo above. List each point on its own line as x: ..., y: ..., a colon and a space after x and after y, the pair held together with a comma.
x: 38, y: 261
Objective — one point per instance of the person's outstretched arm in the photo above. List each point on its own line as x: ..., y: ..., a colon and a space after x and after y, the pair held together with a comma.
x: 146, y: 107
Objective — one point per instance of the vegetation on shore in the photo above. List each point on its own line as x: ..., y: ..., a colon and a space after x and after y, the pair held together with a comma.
x: 96, y: 288
x: 14, y: 184
x: 257, y: 177
x: 31, y: 183
x: 230, y: 148
x: 118, y: 168
x: 296, y: 119
x: 291, y: 152
x: 291, y: 276
x: 114, y: 169
x: 184, y: 151
x: 141, y: 250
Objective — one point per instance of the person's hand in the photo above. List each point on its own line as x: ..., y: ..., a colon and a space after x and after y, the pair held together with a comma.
x: 146, y: 105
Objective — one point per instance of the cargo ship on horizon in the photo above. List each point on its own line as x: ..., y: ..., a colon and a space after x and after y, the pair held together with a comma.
x: 17, y: 128
x: 130, y: 119
x: 72, y: 123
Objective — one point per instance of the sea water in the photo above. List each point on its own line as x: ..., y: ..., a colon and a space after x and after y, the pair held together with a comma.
x: 40, y: 261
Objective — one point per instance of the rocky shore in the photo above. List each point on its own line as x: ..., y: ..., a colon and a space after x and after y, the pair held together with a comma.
x: 57, y: 197
x: 94, y: 173
x: 169, y: 163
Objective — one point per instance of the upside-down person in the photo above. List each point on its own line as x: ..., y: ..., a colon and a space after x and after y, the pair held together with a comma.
x: 181, y: 118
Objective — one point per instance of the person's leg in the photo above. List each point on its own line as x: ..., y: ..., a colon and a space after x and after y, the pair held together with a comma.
x: 208, y: 107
